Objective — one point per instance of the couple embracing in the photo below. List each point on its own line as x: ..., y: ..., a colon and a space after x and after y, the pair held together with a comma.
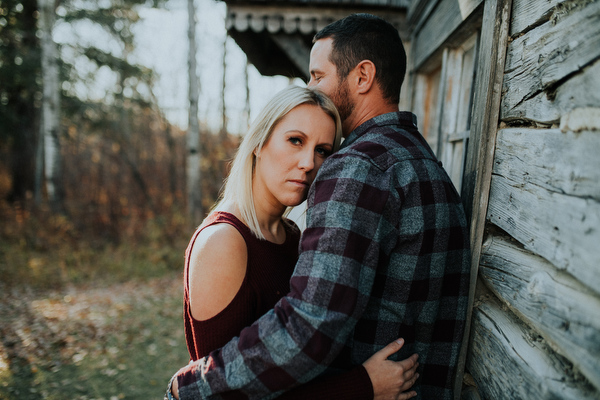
x: 370, y: 300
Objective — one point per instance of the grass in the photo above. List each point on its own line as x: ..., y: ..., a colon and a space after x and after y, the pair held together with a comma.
x: 89, y: 320
x: 118, y: 342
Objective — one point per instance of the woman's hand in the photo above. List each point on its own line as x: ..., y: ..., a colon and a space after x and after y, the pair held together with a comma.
x: 391, y: 379
x: 175, y: 389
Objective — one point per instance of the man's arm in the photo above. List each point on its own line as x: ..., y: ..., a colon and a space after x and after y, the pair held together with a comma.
x: 330, y: 288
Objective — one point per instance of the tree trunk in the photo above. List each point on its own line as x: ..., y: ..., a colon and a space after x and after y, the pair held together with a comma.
x: 224, y: 107
x: 50, y: 108
x: 247, y: 106
x: 194, y: 188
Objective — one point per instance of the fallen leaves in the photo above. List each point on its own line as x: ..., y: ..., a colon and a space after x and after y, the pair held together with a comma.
x: 91, y: 342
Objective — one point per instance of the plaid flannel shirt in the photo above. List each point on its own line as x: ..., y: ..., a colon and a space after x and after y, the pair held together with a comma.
x: 385, y: 255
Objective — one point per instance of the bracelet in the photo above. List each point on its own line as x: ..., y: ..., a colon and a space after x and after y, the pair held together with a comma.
x: 169, y: 394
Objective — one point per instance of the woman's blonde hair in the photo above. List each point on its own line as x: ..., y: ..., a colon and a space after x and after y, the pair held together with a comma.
x: 238, y: 185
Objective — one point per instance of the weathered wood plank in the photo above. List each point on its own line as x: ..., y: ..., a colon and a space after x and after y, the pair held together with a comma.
x: 484, y: 126
x: 581, y: 90
x: 563, y: 162
x: 439, y: 26
x: 562, y: 310
x: 528, y: 14
x: 541, y: 58
x: 509, y: 361
x: 563, y: 229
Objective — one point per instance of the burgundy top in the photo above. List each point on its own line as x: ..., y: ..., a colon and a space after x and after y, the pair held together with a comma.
x: 267, y: 279
x: 268, y: 272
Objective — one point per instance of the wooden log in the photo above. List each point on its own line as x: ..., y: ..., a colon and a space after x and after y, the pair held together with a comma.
x: 581, y: 90
x: 563, y: 311
x: 567, y: 163
x: 509, y: 361
x: 543, y: 57
x: 529, y: 14
x: 561, y: 228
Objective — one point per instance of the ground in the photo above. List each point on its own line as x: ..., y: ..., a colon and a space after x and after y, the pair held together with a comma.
x: 122, y: 341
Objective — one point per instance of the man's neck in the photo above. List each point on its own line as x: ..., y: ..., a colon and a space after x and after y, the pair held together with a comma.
x: 364, y: 112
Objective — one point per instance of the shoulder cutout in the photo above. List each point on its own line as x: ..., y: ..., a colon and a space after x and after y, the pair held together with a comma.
x: 217, y: 269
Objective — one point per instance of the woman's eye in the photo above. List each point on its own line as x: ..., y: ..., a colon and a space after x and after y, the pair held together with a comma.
x: 295, y: 140
x: 323, y: 152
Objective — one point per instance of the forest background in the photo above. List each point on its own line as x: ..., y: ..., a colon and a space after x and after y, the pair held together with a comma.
x: 97, y: 109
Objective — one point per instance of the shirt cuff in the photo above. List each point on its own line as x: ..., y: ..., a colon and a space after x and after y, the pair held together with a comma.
x: 168, y: 394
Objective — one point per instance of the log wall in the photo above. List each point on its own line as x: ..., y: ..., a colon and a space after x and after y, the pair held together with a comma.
x: 536, y: 320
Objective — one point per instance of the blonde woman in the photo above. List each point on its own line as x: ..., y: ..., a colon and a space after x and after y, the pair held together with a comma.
x: 239, y: 261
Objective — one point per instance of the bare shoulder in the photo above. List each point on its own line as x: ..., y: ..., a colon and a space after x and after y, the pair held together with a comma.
x: 217, y: 269
x: 216, y: 238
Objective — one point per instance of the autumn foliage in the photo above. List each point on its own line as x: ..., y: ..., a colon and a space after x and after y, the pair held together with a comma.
x: 124, y: 208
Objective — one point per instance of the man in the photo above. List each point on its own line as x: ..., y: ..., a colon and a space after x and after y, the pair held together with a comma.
x: 385, y: 252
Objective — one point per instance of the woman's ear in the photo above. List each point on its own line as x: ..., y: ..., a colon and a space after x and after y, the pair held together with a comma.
x: 365, y: 75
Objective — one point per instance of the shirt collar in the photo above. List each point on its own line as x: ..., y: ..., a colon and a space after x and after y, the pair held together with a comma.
x: 397, y: 118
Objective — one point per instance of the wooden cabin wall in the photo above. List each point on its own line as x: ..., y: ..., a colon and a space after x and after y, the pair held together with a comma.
x: 536, y: 320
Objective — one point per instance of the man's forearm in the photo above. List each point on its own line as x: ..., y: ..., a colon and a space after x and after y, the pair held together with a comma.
x: 295, y: 351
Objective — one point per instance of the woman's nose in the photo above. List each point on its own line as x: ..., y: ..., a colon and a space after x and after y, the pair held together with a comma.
x: 307, y: 161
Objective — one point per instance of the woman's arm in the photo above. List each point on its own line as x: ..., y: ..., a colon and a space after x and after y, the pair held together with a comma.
x: 217, y: 269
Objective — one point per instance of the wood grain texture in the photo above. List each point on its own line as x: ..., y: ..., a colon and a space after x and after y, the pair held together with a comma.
x: 529, y: 14
x: 540, y: 59
x: 510, y: 362
x: 484, y: 126
x: 561, y: 228
x: 561, y: 309
x: 580, y: 90
x: 561, y: 162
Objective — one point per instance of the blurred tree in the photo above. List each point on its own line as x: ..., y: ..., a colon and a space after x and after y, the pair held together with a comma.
x: 48, y: 138
x: 80, y: 60
x: 193, y: 159
x: 20, y: 92
x: 223, y: 86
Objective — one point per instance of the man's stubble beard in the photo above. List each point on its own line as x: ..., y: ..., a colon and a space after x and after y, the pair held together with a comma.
x: 341, y: 99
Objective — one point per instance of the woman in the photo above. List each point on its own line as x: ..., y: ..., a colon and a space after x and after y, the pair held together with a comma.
x: 248, y: 237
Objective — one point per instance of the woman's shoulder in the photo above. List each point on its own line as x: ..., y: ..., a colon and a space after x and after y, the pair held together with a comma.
x: 219, y: 231
x: 216, y: 269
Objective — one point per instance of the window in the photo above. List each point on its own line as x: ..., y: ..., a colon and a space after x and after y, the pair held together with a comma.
x: 442, y: 101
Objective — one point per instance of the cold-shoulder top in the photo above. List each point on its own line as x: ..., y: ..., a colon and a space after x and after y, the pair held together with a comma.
x: 267, y: 279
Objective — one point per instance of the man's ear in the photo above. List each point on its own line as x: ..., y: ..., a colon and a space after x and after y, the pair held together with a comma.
x: 365, y: 75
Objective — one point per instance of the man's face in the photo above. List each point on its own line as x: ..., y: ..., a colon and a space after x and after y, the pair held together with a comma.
x: 324, y: 76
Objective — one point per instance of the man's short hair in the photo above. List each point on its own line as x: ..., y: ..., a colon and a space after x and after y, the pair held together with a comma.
x: 359, y: 37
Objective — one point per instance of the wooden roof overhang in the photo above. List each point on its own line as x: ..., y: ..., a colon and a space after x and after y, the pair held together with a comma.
x: 277, y: 35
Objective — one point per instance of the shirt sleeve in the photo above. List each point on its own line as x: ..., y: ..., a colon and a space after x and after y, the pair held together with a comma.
x: 296, y: 341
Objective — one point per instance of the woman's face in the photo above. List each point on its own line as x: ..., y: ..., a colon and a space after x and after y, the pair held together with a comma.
x: 288, y: 162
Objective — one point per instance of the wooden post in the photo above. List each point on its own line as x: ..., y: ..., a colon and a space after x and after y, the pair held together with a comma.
x: 480, y: 157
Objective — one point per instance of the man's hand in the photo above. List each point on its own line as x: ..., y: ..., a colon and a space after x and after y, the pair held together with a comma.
x: 391, y: 379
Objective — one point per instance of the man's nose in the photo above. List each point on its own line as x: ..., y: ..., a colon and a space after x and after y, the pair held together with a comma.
x: 311, y: 83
